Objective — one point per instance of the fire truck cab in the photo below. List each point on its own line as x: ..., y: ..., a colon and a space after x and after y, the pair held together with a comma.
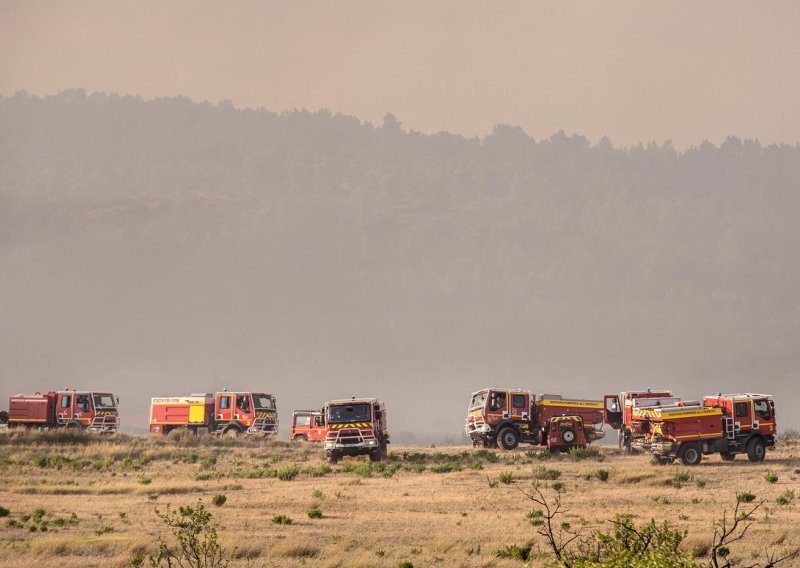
x: 92, y: 411
x: 507, y: 418
x: 308, y: 426
x: 356, y: 426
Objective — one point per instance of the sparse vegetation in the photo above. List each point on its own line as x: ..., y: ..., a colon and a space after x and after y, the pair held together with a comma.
x: 771, y: 478
x: 505, y: 477
x: 314, y: 513
x: 219, y: 500
x: 282, y: 520
x: 543, y: 473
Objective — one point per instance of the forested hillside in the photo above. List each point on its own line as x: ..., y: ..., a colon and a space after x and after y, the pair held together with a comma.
x: 168, y: 241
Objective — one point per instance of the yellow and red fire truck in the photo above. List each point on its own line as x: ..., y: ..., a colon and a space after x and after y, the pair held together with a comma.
x: 619, y: 413
x: 230, y: 413
x: 90, y: 410
x: 356, y: 426
x: 308, y: 426
x: 506, y: 418
x: 727, y: 424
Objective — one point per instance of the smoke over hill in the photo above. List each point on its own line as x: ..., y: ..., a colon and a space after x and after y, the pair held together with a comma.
x: 166, y: 246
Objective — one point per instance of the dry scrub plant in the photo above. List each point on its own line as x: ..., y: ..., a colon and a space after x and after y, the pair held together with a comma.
x: 197, y: 544
x: 649, y: 545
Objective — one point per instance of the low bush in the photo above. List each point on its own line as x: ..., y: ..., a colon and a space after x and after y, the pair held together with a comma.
x: 314, y: 513
x: 745, y: 497
x: 771, y: 478
x: 219, y: 499
x: 506, y: 477
x: 282, y: 520
x: 543, y: 473
x: 515, y: 552
x: 447, y: 467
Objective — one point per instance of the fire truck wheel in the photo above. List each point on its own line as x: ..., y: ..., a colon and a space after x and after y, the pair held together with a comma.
x: 568, y: 435
x: 756, y: 450
x: 3, y: 417
x: 375, y: 456
x: 332, y: 459
x: 231, y: 432
x: 489, y: 442
x: 691, y: 454
x: 728, y: 457
x: 508, y: 439
x: 384, y: 450
x: 300, y: 438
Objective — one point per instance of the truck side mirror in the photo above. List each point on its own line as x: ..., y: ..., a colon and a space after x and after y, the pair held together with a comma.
x: 378, y: 413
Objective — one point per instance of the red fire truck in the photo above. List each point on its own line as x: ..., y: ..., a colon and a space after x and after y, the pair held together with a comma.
x: 619, y: 413
x: 230, y: 413
x: 505, y: 417
x: 92, y: 411
x: 308, y: 426
x: 727, y: 424
x: 356, y: 426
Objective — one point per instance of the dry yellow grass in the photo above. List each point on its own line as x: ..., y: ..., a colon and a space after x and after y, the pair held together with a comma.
x: 454, y: 518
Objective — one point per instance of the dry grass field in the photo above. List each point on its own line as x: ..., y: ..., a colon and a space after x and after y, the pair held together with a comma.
x: 75, y: 500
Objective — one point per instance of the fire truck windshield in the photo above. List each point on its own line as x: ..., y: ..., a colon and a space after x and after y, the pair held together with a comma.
x: 479, y: 399
x: 263, y: 402
x: 104, y: 402
x: 349, y: 413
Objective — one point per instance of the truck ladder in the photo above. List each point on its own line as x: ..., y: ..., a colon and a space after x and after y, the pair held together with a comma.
x: 730, y: 428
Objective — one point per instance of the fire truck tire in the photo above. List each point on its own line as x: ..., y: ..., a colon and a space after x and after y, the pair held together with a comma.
x: 300, y: 438
x: 756, y: 450
x: 3, y: 417
x: 691, y: 454
x: 232, y: 431
x: 727, y: 456
x: 568, y: 435
x: 375, y: 455
x: 332, y: 459
x: 489, y: 442
x: 507, y: 438
x: 384, y: 450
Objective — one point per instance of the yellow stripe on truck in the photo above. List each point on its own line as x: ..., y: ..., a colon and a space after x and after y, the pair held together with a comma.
x: 595, y: 404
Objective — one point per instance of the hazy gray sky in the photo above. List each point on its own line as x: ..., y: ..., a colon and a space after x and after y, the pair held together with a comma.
x: 636, y: 71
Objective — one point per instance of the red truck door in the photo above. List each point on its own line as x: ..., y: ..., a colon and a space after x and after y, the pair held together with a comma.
x: 498, y: 406
x: 519, y: 407
x: 742, y: 415
x: 223, y: 407
x: 82, y: 408
x: 64, y: 407
x: 318, y: 430
x: 244, y: 413
x: 764, y: 415
x: 301, y: 427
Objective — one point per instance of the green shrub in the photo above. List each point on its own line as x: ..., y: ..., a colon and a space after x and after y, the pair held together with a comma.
x: 542, y: 472
x: 288, y: 473
x: 319, y: 471
x: 771, y: 478
x: 492, y: 482
x: 679, y: 479
x: 219, y: 499
x: 405, y: 564
x: 281, y: 520
x: 487, y: 455
x: 314, y: 513
x: 515, y: 552
x: 559, y: 487
x: 4, y: 512
x: 585, y: 453
x: 447, y: 467
x: 144, y: 480
x: 505, y: 477
x: 745, y: 497
x: 602, y: 474
x: 785, y: 498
